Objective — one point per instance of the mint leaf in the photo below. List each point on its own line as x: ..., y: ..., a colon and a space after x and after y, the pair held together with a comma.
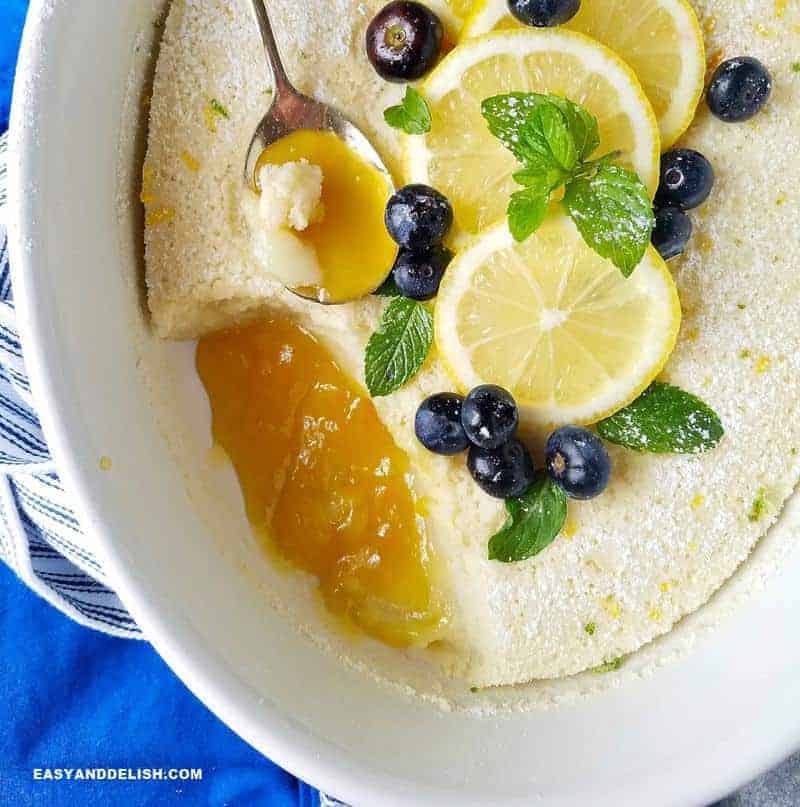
x: 398, y: 348
x: 582, y: 126
x: 514, y: 119
x: 611, y: 207
x: 533, y: 144
x: 413, y: 115
x: 551, y: 122
x: 664, y: 420
x: 546, y: 180
x: 544, y: 139
x: 534, y: 520
x: 526, y: 212
x: 590, y: 168
x: 507, y: 115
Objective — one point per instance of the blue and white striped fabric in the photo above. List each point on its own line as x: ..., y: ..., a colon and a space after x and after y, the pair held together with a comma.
x: 40, y: 537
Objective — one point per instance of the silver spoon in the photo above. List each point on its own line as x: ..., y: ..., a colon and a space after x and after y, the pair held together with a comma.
x: 291, y: 110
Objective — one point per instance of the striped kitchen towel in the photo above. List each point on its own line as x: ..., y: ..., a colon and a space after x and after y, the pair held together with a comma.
x: 40, y: 537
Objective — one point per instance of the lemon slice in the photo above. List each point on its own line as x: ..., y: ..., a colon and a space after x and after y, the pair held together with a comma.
x: 461, y: 158
x: 553, y: 322
x: 660, y: 39
x: 452, y: 13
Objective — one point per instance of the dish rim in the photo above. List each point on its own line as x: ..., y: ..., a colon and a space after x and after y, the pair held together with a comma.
x: 206, y: 674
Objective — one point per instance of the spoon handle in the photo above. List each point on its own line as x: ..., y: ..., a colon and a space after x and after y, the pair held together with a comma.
x: 282, y: 84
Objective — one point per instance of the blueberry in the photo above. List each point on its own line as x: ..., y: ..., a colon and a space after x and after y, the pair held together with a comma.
x: 418, y: 217
x: 544, y: 13
x: 672, y: 232
x: 418, y: 274
x: 502, y: 472
x: 576, y: 460
x: 490, y: 416
x: 739, y: 89
x: 438, y: 424
x: 404, y: 40
x: 686, y: 179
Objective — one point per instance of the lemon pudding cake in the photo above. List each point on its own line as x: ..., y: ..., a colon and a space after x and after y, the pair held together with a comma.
x: 434, y: 452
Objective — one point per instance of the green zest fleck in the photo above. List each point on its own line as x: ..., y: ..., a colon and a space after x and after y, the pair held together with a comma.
x: 664, y: 420
x: 398, y: 349
x: 759, y: 506
x: 590, y: 628
x: 796, y: 67
x: 473, y: 690
x: 609, y: 666
x: 553, y: 138
x: 412, y: 115
x: 218, y: 109
x: 534, y: 520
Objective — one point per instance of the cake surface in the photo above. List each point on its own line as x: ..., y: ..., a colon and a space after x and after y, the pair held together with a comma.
x: 670, y: 530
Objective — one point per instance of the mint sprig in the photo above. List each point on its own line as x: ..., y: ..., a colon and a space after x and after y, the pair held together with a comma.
x: 534, y: 520
x: 397, y: 350
x: 664, y: 420
x: 554, y: 138
x: 412, y: 115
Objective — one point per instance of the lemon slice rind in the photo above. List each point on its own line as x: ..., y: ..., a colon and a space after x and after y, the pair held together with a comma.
x: 453, y: 14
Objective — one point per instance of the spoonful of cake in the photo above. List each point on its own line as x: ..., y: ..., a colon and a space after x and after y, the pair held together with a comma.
x: 322, y: 183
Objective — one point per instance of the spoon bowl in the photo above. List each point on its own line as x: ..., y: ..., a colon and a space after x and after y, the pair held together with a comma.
x: 291, y: 111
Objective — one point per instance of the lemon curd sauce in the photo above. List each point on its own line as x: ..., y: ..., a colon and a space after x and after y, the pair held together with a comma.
x: 353, y: 249
x: 322, y: 479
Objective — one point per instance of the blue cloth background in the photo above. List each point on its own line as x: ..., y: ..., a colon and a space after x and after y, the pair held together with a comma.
x: 70, y: 697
